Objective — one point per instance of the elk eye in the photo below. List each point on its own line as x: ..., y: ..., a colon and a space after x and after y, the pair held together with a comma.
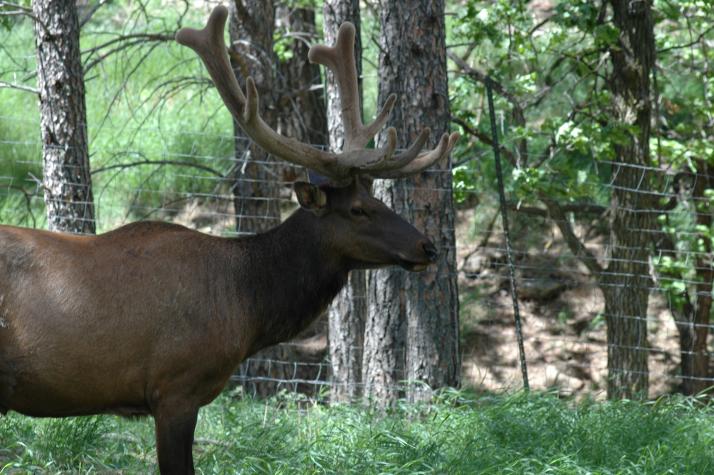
x: 358, y: 212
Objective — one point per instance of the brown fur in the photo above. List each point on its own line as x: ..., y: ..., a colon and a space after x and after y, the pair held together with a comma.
x: 153, y: 318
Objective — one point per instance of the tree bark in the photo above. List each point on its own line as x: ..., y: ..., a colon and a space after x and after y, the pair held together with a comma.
x: 67, y: 180
x: 421, y: 309
x: 256, y: 190
x: 696, y: 355
x: 695, y: 318
x: 627, y: 281
x: 301, y: 107
x: 348, y: 311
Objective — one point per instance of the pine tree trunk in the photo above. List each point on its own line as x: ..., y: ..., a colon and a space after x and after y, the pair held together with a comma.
x: 256, y: 191
x: 626, y: 283
x: 63, y: 119
x: 348, y: 311
x: 420, y: 310
x: 300, y: 107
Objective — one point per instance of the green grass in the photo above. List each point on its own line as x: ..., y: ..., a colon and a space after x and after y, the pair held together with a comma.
x: 504, y: 434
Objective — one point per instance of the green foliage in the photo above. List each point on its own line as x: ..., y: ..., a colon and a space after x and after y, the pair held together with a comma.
x: 557, y: 68
x: 464, y: 183
x: 540, y: 64
x: 282, y: 45
x: 143, y: 103
x: 460, y: 434
x: 559, y: 123
x: 9, y: 13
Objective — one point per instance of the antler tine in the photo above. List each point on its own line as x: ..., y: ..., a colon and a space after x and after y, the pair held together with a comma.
x: 421, y: 162
x: 340, y: 59
x: 403, y: 159
x: 210, y: 46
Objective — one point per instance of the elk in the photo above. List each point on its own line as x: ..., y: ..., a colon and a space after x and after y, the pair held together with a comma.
x: 153, y: 318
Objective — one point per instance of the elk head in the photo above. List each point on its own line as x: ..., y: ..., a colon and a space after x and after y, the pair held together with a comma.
x: 369, y: 232
x: 363, y: 230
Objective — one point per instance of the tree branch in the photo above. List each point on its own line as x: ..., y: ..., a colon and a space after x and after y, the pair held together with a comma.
x: 4, y: 4
x: 485, y: 138
x: 19, y: 87
x: 127, y: 41
x: 157, y: 162
x: 483, y: 78
x: 690, y: 44
x: 28, y: 201
x: 576, y: 246
x: 578, y: 208
x: 519, y: 117
x: 88, y: 16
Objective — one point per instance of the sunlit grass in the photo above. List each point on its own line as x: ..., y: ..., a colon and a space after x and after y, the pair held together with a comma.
x: 458, y: 434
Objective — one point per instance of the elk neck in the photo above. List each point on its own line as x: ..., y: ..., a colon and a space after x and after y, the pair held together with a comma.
x: 287, y: 278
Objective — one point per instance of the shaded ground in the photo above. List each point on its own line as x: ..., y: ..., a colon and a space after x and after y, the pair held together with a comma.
x: 564, y: 333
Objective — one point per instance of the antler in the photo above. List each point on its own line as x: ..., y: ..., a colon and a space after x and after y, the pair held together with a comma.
x: 210, y: 46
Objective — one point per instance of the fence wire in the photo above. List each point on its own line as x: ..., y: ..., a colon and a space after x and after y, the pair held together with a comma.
x: 562, y: 304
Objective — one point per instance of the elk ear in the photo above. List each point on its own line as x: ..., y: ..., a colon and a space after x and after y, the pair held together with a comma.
x: 311, y: 197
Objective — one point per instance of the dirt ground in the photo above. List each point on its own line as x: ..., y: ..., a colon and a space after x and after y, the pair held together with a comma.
x: 564, y: 333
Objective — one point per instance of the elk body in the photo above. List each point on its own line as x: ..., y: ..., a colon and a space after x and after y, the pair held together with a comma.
x: 153, y: 318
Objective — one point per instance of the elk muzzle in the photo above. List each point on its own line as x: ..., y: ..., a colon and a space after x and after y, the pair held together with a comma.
x: 426, y: 254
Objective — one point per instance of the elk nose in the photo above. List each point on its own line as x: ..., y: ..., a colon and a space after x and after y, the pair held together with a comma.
x: 430, y: 250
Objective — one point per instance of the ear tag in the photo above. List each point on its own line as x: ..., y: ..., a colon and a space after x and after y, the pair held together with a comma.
x: 321, y: 201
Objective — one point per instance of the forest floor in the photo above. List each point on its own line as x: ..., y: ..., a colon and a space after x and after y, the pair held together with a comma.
x: 560, y: 307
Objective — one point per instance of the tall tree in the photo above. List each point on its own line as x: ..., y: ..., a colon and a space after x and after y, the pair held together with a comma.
x: 412, y: 325
x: 256, y: 191
x: 609, y: 120
x: 300, y: 103
x: 627, y: 281
x: 63, y: 118
x: 348, y: 311
x: 689, y: 288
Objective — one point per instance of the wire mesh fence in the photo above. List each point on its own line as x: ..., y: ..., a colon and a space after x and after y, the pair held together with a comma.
x: 565, y: 321
x: 566, y: 259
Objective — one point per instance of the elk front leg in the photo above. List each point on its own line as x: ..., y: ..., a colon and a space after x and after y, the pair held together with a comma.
x: 174, y: 438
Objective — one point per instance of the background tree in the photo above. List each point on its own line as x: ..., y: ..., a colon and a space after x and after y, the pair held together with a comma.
x: 687, y: 282
x: 626, y: 282
x: 683, y: 263
x: 412, y: 325
x: 300, y: 105
x: 256, y: 190
x: 348, y: 311
x: 576, y: 78
x: 66, y: 178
